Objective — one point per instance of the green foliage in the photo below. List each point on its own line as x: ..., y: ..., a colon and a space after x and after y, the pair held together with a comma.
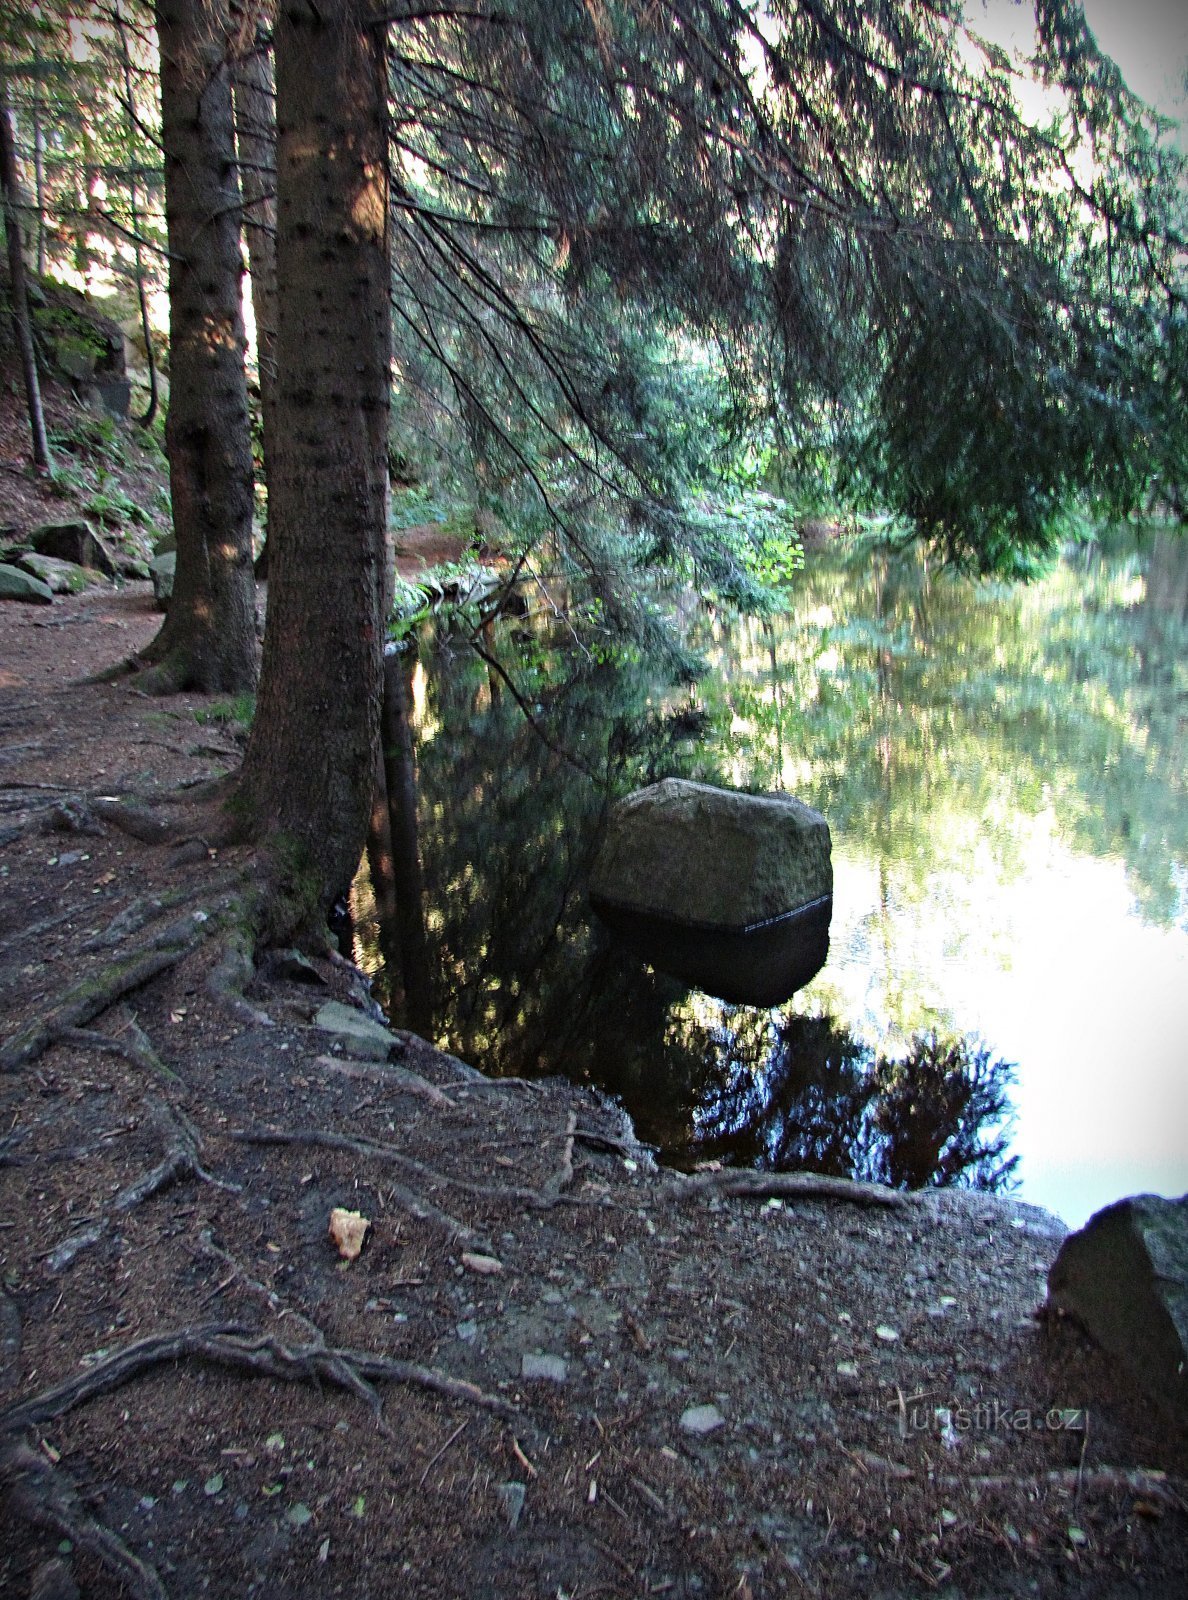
x: 237, y: 710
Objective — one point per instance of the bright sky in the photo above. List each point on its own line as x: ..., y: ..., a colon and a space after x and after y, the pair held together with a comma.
x: 1147, y: 38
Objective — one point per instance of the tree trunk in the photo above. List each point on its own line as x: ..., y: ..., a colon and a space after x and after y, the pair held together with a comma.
x: 255, y: 135
x: 150, y: 413
x: 400, y: 781
x: 310, y: 763
x: 22, y: 327
x: 208, y: 641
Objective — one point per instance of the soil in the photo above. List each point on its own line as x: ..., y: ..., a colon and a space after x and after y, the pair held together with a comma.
x: 500, y: 1396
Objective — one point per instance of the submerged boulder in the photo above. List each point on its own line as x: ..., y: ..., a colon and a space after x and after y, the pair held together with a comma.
x: 731, y: 892
x: 1124, y: 1278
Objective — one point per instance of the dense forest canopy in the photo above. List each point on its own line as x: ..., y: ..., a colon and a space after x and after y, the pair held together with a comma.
x: 651, y: 261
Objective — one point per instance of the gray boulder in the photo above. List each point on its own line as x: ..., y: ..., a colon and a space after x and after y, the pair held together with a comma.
x: 63, y: 577
x: 162, y: 570
x: 1124, y: 1278
x: 713, y: 858
x: 16, y: 584
x: 74, y: 541
x: 731, y: 892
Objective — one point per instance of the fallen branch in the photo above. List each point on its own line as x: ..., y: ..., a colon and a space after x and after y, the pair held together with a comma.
x: 90, y: 997
x: 745, y: 1184
x: 43, y: 1495
x: 1145, y: 1482
x: 242, y: 1350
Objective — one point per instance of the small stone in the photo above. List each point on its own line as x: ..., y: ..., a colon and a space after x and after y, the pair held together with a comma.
x: 467, y: 1332
x: 886, y: 1333
x: 701, y: 1420
x: 364, y: 1038
x: 552, y: 1369
x: 486, y: 1266
x: 348, y: 1229
x: 847, y: 1369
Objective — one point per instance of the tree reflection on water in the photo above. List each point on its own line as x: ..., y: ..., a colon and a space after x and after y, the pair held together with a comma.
x: 937, y: 723
x: 799, y: 1093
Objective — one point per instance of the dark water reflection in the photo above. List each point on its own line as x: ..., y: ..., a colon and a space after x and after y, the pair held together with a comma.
x: 933, y: 721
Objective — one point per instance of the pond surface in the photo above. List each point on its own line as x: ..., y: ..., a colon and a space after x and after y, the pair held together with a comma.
x: 1004, y: 771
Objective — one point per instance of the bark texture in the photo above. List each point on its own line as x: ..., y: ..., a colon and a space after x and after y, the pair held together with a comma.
x: 255, y: 137
x: 209, y: 638
x: 22, y: 326
x: 311, y: 759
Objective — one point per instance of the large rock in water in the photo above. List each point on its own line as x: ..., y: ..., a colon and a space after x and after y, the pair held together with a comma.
x: 730, y: 892
x: 1124, y: 1278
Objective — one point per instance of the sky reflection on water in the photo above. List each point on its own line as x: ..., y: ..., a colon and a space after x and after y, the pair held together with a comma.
x: 1005, y: 773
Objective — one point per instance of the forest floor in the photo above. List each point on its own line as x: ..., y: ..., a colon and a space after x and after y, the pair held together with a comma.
x: 553, y: 1371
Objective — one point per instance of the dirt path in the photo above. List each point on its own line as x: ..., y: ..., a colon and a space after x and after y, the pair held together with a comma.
x: 551, y: 1372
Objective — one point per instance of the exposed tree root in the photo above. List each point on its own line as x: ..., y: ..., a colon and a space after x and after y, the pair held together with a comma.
x: 136, y: 821
x: 742, y: 1183
x: 242, y: 1350
x: 93, y: 995
x: 40, y: 1493
x: 231, y: 975
x: 375, y: 1150
x: 135, y: 1051
x: 412, y: 1202
x: 238, y: 1273
x: 181, y: 1161
x: 391, y: 1076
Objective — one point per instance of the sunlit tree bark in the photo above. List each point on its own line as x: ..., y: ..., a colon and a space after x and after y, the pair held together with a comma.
x: 311, y: 759
x: 208, y: 640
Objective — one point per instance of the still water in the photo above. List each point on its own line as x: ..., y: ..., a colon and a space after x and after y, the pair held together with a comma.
x: 1004, y: 771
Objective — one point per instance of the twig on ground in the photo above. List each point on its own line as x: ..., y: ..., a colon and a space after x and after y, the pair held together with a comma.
x: 40, y: 1493
x: 1145, y: 1482
x: 745, y: 1184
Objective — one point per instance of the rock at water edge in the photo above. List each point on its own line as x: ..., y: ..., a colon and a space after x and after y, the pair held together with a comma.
x: 712, y: 858
x: 1124, y: 1278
